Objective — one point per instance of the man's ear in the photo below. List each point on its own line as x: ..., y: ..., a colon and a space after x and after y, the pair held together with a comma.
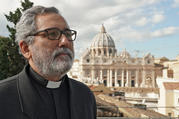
x: 25, y: 49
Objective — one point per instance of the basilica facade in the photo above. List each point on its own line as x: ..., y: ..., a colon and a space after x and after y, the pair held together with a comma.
x: 101, y: 63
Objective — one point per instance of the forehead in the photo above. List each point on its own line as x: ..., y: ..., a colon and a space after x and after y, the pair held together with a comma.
x: 50, y: 20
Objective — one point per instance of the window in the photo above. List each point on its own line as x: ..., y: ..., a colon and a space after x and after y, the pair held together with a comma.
x: 87, y: 72
x: 94, y: 52
x: 105, y: 72
x: 99, y: 52
x: 169, y: 114
x: 119, y: 82
x: 105, y: 82
x: 118, y: 72
x: 132, y: 72
x: 110, y: 51
x: 87, y: 60
x: 105, y: 52
x: 132, y: 83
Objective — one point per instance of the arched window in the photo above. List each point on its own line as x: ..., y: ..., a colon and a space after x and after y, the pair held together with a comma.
x: 94, y: 51
x: 110, y: 51
x: 99, y: 52
x: 132, y: 83
x: 104, y: 52
x: 87, y: 60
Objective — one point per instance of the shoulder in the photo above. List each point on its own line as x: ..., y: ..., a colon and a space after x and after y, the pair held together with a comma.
x: 81, y: 89
x: 83, y: 94
x: 79, y: 85
x: 9, y: 99
x: 8, y: 86
x: 8, y: 81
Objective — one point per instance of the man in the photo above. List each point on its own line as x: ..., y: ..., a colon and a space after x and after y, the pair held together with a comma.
x: 43, y: 90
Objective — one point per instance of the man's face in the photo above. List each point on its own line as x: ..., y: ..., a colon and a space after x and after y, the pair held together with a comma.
x: 52, y: 57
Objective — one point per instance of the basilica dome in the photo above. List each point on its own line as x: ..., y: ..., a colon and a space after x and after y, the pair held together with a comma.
x: 125, y: 54
x: 103, y: 39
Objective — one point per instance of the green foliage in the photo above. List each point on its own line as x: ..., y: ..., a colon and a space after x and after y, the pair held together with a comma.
x: 26, y: 5
x: 11, y: 62
x: 14, y: 17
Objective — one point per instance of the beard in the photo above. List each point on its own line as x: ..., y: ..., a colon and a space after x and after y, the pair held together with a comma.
x: 53, y: 63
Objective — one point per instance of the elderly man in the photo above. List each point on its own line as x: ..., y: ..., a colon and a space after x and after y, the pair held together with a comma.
x: 43, y: 90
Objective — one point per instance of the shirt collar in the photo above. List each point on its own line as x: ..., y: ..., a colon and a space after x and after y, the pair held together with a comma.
x: 44, y: 82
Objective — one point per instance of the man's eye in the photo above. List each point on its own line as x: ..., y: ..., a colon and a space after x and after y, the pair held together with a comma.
x: 53, y: 34
x: 68, y: 33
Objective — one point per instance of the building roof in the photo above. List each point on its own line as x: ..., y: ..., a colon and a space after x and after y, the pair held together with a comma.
x: 76, y: 60
x: 100, y: 89
x: 129, y: 110
x: 158, y: 65
x: 171, y: 85
x: 138, y: 90
x: 102, y: 39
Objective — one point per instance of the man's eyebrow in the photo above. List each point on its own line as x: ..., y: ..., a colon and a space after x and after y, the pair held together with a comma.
x: 67, y: 29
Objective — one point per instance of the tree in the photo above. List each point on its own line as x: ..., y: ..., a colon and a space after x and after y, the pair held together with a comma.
x: 11, y: 62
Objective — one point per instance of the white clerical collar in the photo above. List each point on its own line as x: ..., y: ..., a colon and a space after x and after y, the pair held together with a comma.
x: 54, y: 84
x: 47, y: 83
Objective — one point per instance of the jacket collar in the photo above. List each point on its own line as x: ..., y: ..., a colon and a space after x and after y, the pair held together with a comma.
x: 44, y: 82
x: 29, y: 98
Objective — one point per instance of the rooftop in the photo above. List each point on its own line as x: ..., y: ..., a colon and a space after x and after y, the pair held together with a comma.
x: 171, y: 85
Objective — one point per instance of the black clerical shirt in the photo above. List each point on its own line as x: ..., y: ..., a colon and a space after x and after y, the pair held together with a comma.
x: 55, y: 101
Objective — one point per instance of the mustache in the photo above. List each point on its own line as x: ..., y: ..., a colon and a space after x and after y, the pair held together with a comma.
x: 63, y: 50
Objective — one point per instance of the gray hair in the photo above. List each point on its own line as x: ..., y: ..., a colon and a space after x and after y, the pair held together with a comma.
x: 27, y: 23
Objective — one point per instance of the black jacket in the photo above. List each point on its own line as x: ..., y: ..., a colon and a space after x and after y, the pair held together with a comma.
x: 19, y: 100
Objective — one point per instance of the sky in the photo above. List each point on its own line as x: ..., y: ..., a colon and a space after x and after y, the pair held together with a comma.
x: 139, y: 26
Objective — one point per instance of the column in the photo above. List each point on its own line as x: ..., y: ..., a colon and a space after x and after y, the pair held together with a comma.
x: 111, y: 78
x: 101, y: 74
x: 137, y: 78
x: 122, y: 78
x: 92, y: 52
x: 107, y: 52
x: 116, y: 81
x: 97, y: 52
x: 92, y: 74
x: 101, y: 77
x: 127, y: 78
x: 108, y: 78
x: 153, y: 78
x: 143, y: 78
x: 102, y: 52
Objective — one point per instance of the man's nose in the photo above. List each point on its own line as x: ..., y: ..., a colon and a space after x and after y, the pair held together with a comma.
x: 64, y: 41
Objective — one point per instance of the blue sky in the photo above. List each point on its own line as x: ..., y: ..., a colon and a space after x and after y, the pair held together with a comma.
x: 135, y: 25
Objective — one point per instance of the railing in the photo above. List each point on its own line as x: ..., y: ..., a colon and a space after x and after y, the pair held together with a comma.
x: 136, y: 118
x: 114, y: 110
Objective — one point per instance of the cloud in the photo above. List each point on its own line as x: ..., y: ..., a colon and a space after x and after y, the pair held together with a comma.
x: 142, y: 21
x: 156, y: 18
x: 165, y: 31
x: 142, y: 35
x: 175, y: 3
x: 125, y: 20
x: 8, y: 5
x: 3, y: 23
